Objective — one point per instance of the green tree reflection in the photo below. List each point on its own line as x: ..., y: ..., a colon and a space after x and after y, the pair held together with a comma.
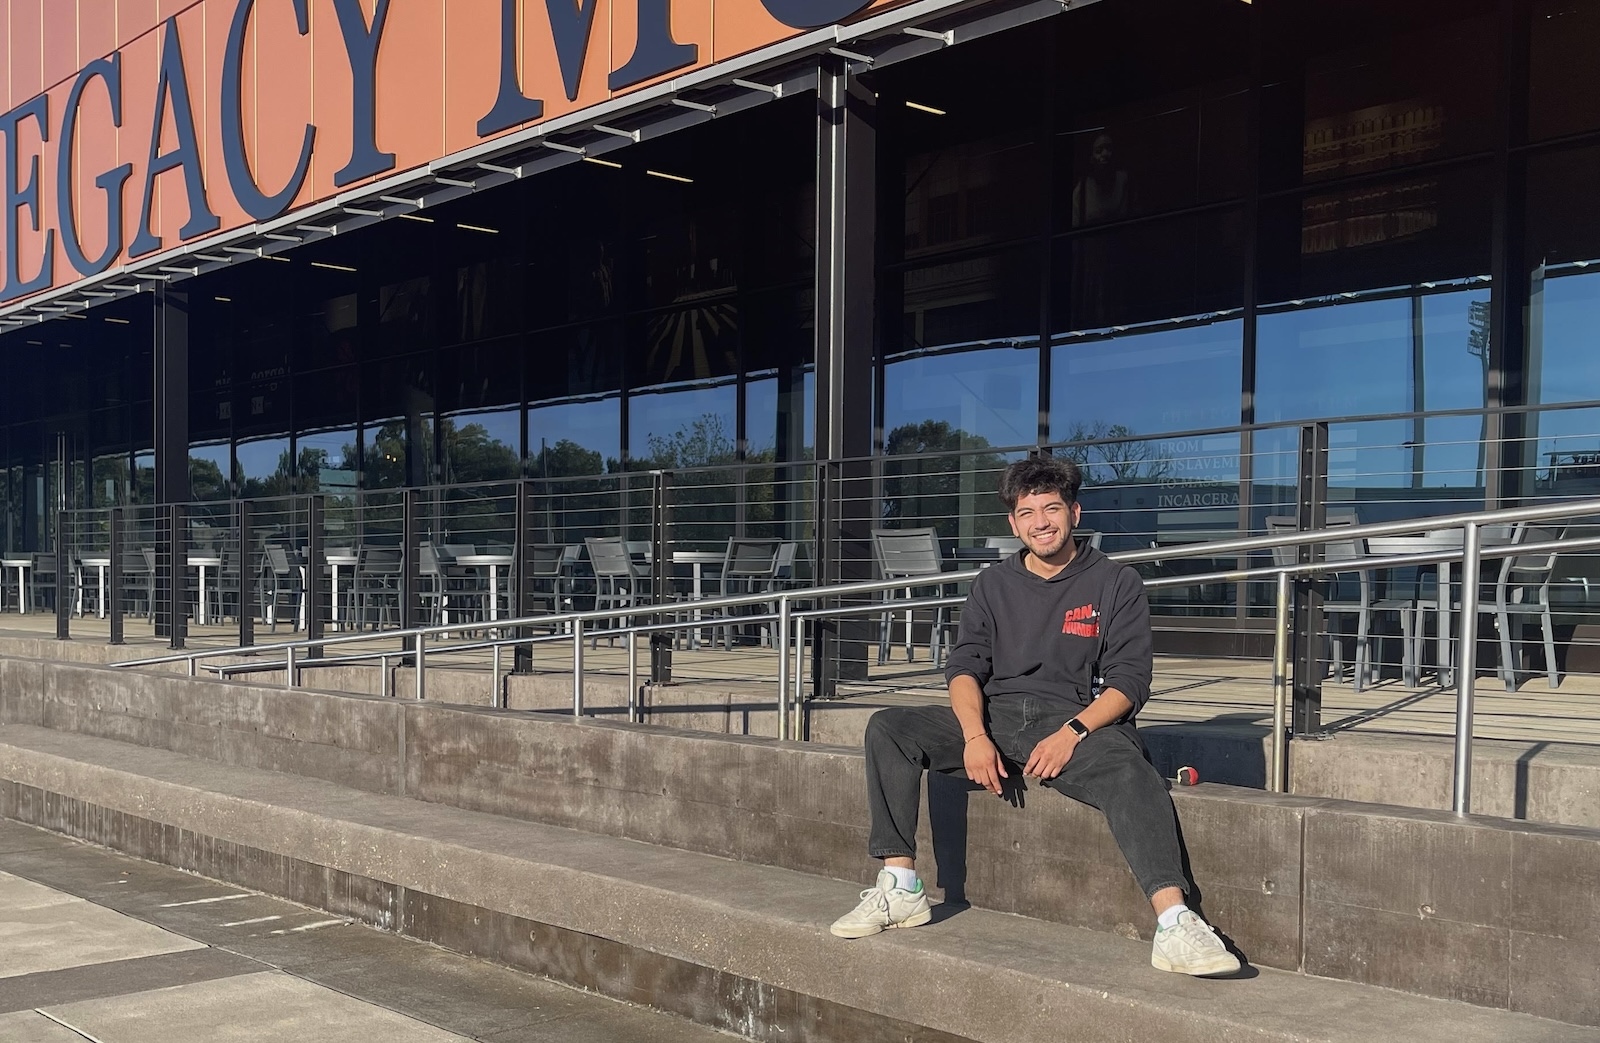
x: 936, y: 473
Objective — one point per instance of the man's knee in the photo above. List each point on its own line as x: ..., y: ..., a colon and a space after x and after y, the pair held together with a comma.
x: 886, y: 723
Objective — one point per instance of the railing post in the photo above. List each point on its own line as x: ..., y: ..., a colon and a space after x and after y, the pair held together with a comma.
x: 64, y: 554
x: 288, y: 668
x: 633, y: 678
x: 660, y: 573
x: 496, y: 693
x: 422, y: 667
x: 313, y: 591
x: 114, y: 574
x: 1278, y: 783
x: 783, y: 667
x: 522, y: 578
x: 247, y: 575
x: 1312, y: 514
x: 1466, y: 680
x: 577, y: 667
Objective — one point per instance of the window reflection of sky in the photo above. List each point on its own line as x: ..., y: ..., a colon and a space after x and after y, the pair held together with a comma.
x: 988, y: 393
x: 593, y: 426
x: 1563, y: 315
x: 1147, y: 381
x: 691, y: 426
x: 1360, y: 357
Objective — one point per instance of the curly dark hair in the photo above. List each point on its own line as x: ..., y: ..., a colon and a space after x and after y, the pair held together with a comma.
x: 1040, y: 474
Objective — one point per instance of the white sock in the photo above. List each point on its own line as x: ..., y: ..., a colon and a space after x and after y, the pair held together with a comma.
x: 905, y: 879
x: 1169, y: 919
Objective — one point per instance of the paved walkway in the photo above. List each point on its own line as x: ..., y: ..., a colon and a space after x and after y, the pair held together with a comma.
x: 97, y: 946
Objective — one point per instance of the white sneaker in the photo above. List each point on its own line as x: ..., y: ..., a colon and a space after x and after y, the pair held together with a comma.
x: 884, y: 906
x: 1191, y: 946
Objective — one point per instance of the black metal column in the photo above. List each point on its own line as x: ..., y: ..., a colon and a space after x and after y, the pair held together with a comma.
x: 176, y: 535
x: 247, y: 573
x: 522, y: 579
x: 846, y: 316
x: 170, y: 384
x: 660, y: 571
x: 64, y: 555
x: 1312, y: 513
x: 114, y: 575
x: 411, y: 561
x: 315, y: 590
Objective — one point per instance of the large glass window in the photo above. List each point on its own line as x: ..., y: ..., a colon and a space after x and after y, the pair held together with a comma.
x: 1146, y: 381
x: 1392, y: 355
x: 397, y: 408
x: 974, y: 143
x: 1563, y: 80
x: 1563, y: 257
x: 1155, y: 127
x: 966, y: 371
x: 1360, y: 86
x: 480, y: 393
x: 574, y: 401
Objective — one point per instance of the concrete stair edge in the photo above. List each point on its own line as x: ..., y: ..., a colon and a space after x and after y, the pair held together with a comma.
x: 1024, y: 978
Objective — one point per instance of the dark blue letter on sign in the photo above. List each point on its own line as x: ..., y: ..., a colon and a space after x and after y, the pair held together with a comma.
x: 570, y: 26
x: 111, y: 182
x: 809, y: 14
x: 511, y: 106
x: 174, y: 84
x: 256, y: 203
x: 654, y: 50
x: 361, y: 47
x: 25, y: 193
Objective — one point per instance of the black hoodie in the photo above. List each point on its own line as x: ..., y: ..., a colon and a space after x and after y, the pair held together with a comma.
x: 1025, y: 635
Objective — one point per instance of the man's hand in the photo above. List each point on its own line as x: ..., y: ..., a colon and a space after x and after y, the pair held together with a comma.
x: 1051, y: 755
x: 983, y: 764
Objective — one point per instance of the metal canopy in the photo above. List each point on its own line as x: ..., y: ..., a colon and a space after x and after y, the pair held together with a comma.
x: 781, y: 70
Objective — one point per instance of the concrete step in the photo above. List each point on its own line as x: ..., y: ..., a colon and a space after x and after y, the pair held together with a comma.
x: 739, y: 946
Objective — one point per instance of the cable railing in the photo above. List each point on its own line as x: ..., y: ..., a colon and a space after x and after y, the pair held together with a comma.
x: 1484, y: 535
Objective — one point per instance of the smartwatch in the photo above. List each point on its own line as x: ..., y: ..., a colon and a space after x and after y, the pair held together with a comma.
x: 1078, y: 729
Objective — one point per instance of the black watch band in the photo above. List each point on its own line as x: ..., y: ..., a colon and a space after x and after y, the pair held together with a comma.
x: 1078, y: 729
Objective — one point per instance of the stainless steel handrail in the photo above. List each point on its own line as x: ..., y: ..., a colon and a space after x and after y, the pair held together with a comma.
x: 1505, y: 516
x: 787, y: 616
x: 1222, y: 548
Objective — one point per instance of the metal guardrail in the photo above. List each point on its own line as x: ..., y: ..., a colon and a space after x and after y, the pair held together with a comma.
x: 790, y: 620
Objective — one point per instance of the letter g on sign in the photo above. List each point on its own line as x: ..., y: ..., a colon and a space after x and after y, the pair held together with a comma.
x: 809, y: 14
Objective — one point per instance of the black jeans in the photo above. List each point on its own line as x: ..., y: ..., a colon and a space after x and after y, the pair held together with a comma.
x: 1107, y: 771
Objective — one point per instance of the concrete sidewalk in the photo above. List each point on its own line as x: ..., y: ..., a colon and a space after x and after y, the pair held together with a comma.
x: 97, y: 945
x: 735, y: 945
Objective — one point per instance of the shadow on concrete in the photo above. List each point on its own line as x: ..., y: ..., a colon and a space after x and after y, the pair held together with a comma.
x: 1229, y: 748
x: 1520, y: 793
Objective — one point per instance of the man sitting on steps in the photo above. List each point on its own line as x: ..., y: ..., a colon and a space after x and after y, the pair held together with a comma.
x: 1052, y: 663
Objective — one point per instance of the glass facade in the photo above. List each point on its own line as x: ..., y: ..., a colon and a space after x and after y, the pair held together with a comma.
x: 1157, y: 236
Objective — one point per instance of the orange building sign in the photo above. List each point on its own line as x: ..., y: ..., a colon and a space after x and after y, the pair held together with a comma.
x: 134, y: 126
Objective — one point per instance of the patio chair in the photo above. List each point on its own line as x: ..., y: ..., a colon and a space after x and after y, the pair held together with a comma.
x: 548, y: 573
x: 1522, y: 591
x: 748, y: 567
x: 619, y: 581
x: 42, y: 582
x: 282, y: 585
x: 909, y: 554
x: 139, y: 579
x: 377, y: 586
x: 1341, y: 600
